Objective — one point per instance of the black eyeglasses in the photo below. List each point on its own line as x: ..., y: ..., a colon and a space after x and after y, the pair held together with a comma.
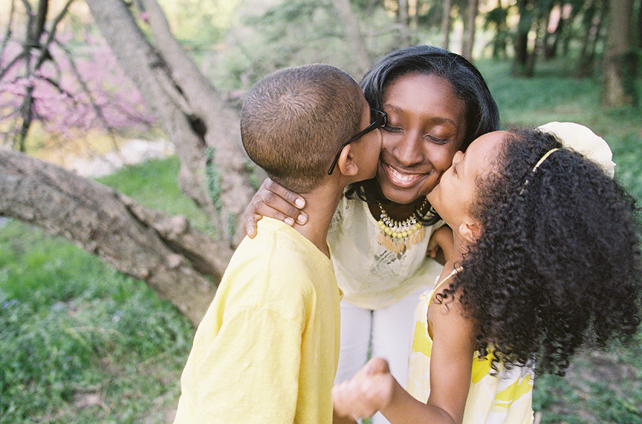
x: 378, y: 119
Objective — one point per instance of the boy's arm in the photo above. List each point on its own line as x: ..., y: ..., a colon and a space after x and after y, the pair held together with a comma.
x: 441, y: 240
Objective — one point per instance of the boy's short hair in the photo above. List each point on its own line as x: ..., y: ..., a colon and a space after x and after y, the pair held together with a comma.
x: 294, y: 120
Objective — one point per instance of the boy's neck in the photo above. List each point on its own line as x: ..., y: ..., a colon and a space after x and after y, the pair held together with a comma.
x: 320, y: 206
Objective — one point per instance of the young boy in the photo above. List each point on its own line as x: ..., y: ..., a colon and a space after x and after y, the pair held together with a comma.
x: 267, y: 348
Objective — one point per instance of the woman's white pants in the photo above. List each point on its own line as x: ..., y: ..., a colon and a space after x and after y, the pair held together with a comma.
x: 387, y: 331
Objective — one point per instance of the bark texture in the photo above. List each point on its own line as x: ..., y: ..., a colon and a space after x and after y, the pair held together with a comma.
x: 164, y: 251
x: 178, y: 262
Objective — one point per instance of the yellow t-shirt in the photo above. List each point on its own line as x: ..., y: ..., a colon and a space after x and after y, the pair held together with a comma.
x: 267, y: 349
x: 502, y: 397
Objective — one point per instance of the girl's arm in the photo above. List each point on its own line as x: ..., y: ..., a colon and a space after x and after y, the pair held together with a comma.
x: 274, y: 201
x: 451, y: 359
x: 375, y: 389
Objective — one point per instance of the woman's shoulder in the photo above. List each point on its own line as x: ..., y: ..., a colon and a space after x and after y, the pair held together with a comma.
x: 348, y: 211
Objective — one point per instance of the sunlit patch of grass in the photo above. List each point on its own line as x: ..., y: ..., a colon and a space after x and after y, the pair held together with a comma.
x: 153, y: 184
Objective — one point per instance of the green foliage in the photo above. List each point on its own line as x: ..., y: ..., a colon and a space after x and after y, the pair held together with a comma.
x: 213, y: 179
x: 202, y: 29
x: 552, y: 94
x: 298, y: 32
x: 79, y: 342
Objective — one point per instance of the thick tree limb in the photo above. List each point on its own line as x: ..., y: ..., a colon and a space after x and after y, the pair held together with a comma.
x: 162, y: 250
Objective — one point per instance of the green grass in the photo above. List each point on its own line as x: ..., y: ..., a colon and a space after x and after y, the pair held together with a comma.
x: 81, y: 343
x: 154, y: 185
x: 552, y: 95
x: 75, y: 332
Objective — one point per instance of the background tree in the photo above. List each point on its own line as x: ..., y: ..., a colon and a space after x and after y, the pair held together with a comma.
x: 592, y: 20
x: 69, y: 94
x: 620, y: 57
x: 495, y: 22
x: 354, y: 33
x: 199, y: 117
x: 446, y: 24
x: 533, y: 15
x: 178, y: 262
x: 468, y: 38
x: 82, y: 342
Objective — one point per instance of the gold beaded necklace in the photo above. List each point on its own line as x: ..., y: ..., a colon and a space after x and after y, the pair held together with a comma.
x: 398, y: 236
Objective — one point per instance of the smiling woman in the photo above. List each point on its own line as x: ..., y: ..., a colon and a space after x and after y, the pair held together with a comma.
x: 436, y: 103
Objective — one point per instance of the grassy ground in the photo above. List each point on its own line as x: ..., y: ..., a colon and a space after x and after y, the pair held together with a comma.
x: 81, y: 343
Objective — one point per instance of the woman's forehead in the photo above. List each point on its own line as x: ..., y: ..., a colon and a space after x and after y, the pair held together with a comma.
x: 427, y: 93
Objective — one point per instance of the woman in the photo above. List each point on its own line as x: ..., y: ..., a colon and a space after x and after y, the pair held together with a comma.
x: 437, y: 103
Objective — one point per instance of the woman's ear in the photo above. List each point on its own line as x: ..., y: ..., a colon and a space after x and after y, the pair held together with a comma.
x: 346, y: 162
x: 470, y: 230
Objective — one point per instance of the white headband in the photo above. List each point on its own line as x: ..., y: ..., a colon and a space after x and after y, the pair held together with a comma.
x: 584, y: 141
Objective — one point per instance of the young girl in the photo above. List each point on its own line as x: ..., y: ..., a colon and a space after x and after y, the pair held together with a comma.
x: 545, y: 260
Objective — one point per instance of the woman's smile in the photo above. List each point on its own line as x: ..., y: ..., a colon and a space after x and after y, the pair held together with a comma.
x: 402, y: 178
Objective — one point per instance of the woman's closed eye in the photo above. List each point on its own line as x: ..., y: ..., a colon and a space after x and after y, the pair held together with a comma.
x: 391, y: 128
x: 438, y: 140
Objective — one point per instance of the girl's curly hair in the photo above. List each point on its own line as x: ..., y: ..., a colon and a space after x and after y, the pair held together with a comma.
x: 557, y: 265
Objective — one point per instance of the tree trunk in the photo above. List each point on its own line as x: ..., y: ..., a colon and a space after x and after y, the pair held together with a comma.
x: 639, y: 27
x: 445, y: 24
x: 190, y: 110
x: 356, y: 39
x: 583, y: 67
x: 618, y: 88
x: 162, y: 250
x: 404, y: 24
x: 551, y: 41
x: 532, y: 55
x: 599, y: 33
x: 593, y: 17
x: 521, y: 39
x: 469, y: 35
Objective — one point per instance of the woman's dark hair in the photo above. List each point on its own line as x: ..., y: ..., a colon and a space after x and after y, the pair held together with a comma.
x: 557, y: 265
x: 482, y: 115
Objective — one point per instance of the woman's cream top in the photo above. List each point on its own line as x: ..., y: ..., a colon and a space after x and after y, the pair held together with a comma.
x: 371, y: 276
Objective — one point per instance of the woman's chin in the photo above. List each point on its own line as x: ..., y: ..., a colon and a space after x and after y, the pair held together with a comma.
x: 402, y: 196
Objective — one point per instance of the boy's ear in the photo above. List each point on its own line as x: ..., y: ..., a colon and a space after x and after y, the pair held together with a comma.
x: 346, y: 162
x: 470, y: 230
